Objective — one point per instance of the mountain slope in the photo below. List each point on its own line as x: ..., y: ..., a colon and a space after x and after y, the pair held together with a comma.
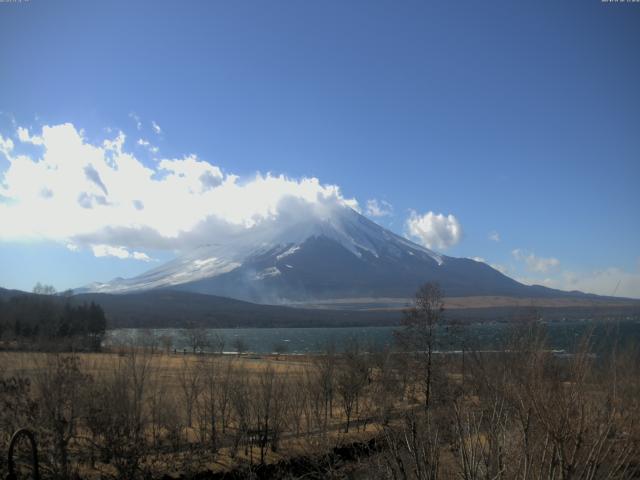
x: 331, y: 254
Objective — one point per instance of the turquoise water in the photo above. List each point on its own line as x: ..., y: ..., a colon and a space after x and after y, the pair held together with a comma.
x: 487, y: 336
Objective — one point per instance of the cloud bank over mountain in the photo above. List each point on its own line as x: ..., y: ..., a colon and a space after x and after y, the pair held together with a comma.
x: 101, y: 196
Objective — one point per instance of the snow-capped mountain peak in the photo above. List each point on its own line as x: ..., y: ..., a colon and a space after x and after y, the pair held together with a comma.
x: 335, y: 253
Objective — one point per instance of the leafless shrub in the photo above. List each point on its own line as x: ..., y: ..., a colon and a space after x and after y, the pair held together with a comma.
x: 412, y: 449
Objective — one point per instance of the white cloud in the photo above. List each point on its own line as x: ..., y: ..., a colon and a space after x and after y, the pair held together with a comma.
x: 118, y: 252
x: 494, y: 236
x: 478, y: 259
x: 140, y: 256
x: 156, y: 127
x: 25, y: 137
x: 380, y: 208
x: 109, y: 251
x: 6, y: 145
x: 533, y: 262
x: 99, y: 194
x: 434, y: 230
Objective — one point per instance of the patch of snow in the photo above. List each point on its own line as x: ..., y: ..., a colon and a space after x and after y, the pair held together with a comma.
x: 268, y: 272
x: 202, y: 263
x: 290, y: 251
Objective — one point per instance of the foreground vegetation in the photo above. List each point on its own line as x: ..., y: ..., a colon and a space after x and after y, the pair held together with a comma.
x: 521, y: 412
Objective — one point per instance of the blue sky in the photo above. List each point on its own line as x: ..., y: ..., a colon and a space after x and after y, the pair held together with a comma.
x: 515, y: 118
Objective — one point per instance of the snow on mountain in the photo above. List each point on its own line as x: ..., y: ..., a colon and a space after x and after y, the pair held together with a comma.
x: 325, y: 254
x: 351, y: 230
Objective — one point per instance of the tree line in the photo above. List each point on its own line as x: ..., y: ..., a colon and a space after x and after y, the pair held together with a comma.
x: 43, y: 319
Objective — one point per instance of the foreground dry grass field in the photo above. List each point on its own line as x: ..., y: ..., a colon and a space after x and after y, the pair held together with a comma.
x: 199, y: 412
x: 524, y: 412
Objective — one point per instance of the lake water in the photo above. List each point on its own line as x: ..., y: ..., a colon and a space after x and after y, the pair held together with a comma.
x: 486, y: 336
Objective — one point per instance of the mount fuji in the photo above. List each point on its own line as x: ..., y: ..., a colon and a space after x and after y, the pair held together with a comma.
x: 331, y: 254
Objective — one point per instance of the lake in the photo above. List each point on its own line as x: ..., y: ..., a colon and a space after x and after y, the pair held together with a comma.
x: 485, y: 336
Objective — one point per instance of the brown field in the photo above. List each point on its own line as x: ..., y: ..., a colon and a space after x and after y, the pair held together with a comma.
x: 168, y: 376
x: 519, y: 413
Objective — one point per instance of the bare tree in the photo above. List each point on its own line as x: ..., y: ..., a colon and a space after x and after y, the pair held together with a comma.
x: 326, y: 365
x: 190, y: 382
x: 41, y: 289
x: 117, y: 417
x: 146, y: 338
x: 240, y: 401
x: 217, y: 342
x: 352, y: 377
x: 298, y: 402
x: 268, y: 402
x: 207, y: 407
x: 197, y: 338
x: 240, y: 345
x: 167, y: 343
x: 58, y: 385
x: 223, y: 396
x: 419, y: 331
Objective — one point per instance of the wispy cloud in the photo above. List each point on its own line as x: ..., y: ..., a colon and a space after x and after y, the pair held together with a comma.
x: 606, y: 281
x: 533, y: 262
x: 156, y: 127
x: 146, y: 144
x: 379, y: 208
x: 137, y: 120
x: 494, y: 236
